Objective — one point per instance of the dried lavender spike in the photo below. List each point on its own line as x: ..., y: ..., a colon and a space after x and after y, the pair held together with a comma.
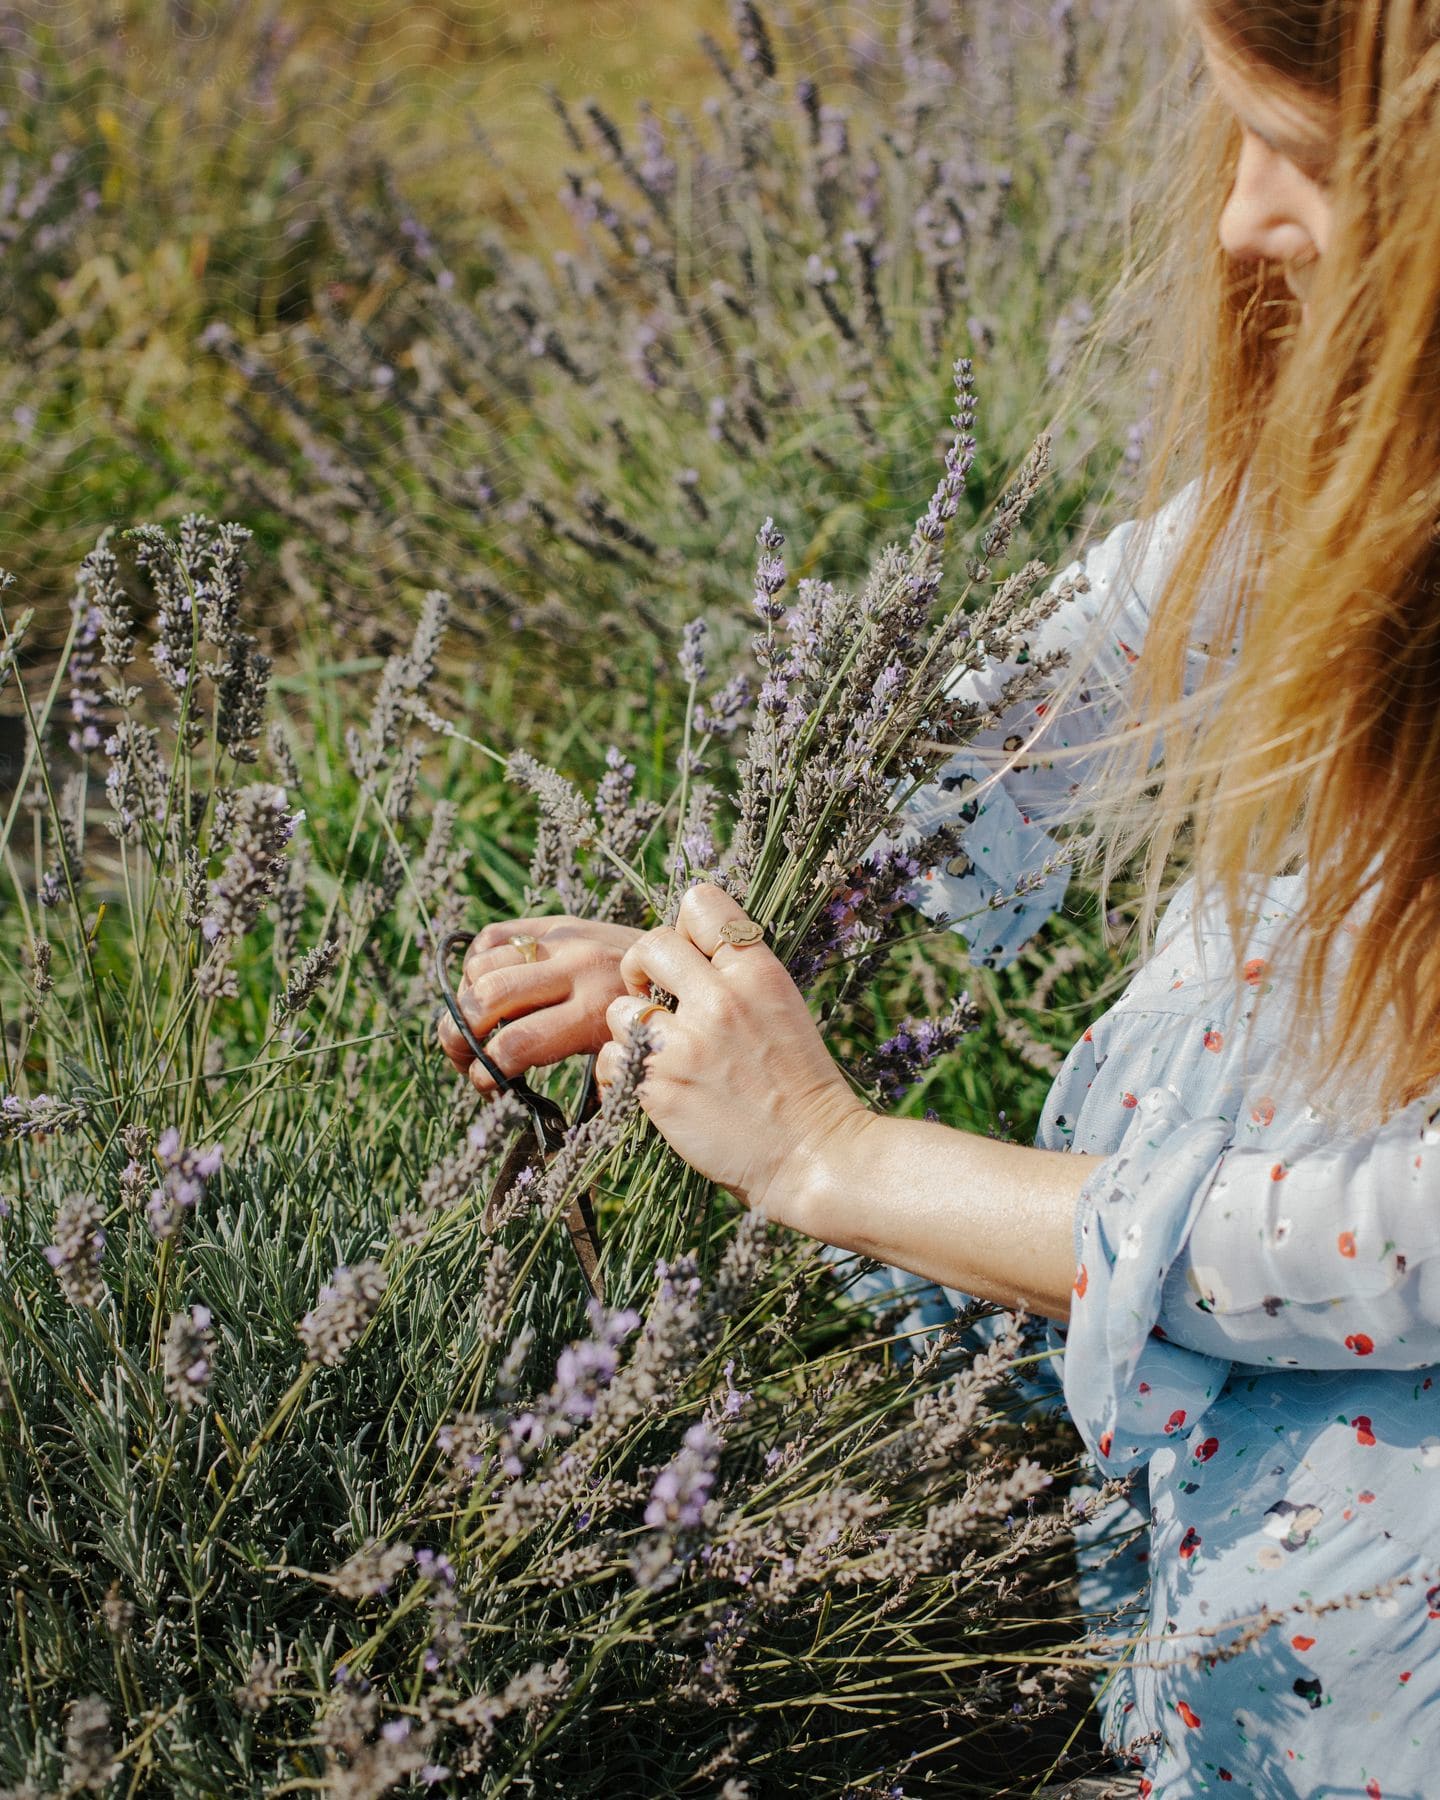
x: 263, y: 828
x: 372, y: 1569
x: 561, y: 802
x: 692, y: 652
x: 21, y: 1119
x: 241, y: 691
x: 136, y: 784
x: 339, y: 1317
x: 84, y: 669
x: 260, y: 1686
x: 90, y: 1764
x: 186, y: 1362
x: 304, y: 982
x: 75, y: 1254
x: 40, y: 956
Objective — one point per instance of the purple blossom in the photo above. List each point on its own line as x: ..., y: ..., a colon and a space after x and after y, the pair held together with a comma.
x: 677, y: 1500
x: 720, y: 715
x: 899, y: 1062
x: 735, y: 1400
x: 692, y: 652
x: 770, y: 572
x: 85, y: 695
x: 187, y: 1175
x: 75, y: 1254
x: 187, y: 1365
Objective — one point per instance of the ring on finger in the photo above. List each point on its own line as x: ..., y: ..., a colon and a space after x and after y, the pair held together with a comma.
x: 529, y: 947
x: 740, y: 932
x: 653, y: 1006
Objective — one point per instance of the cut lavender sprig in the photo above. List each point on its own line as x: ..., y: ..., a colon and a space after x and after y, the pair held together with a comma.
x: 916, y: 1046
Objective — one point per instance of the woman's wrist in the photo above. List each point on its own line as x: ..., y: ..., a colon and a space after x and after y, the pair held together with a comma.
x: 809, y: 1192
x: 990, y: 1218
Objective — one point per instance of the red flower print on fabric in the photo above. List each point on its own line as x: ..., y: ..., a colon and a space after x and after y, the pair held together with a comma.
x: 1190, y: 1543
x: 1214, y: 1040
x: 1278, y: 1172
x: 1188, y: 1714
x: 1082, y: 1281
x: 1346, y: 1243
x: 1176, y: 1420
x: 1364, y: 1432
x: 1105, y: 1442
x: 1359, y: 1343
x: 1255, y: 970
x: 1302, y: 1642
x: 1263, y: 1111
x: 1205, y: 1451
x: 1128, y: 1100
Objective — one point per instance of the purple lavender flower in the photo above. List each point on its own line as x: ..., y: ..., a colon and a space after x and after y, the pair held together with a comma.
x: 346, y: 1306
x: 677, y: 1500
x: 85, y: 695
x: 899, y: 1062
x: 692, y: 652
x: 187, y: 1175
x: 770, y: 572
x: 186, y: 1363
x: 585, y: 1367
x: 75, y: 1254
x: 721, y: 714
x: 734, y: 1401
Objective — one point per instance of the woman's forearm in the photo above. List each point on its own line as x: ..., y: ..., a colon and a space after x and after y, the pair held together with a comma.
x: 992, y: 1219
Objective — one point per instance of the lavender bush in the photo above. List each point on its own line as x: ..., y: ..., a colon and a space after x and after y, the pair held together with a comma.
x: 314, y: 1481
x: 753, y: 299
x: 572, y: 428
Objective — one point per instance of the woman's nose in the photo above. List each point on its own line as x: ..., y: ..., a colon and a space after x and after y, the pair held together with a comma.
x: 1259, y: 219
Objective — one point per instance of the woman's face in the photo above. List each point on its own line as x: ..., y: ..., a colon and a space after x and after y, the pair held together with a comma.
x: 1279, y: 208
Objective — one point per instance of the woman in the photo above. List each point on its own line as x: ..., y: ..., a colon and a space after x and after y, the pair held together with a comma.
x: 1232, y: 1214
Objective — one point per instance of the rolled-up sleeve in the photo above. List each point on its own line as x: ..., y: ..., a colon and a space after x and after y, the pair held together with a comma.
x: 1005, y: 836
x: 1194, y: 1254
x: 1327, y: 1261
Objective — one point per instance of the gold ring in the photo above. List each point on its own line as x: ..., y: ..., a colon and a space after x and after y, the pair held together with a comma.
x: 528, y: 946
x: 645, y: 1012
x: 741, y: 932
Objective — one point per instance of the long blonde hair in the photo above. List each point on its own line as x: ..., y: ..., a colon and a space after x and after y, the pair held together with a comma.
x: 1313, y: 541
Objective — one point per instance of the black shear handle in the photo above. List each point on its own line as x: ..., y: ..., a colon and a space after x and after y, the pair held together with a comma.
x: 444, y: 950
x: 549, y: 1122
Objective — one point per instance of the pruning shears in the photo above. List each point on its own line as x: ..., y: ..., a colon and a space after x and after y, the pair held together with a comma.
x: 546, y: 1118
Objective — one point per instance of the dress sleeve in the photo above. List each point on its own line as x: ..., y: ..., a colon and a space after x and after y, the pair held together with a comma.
x: 1006, y: 838
x: 1325, y: 1261
x: 1193, y: 1254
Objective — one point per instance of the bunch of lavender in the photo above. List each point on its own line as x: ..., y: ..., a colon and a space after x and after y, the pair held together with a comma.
x: 856, y: 704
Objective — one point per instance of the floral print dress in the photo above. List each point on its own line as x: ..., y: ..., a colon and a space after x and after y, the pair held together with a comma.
x: 1255, y: 1322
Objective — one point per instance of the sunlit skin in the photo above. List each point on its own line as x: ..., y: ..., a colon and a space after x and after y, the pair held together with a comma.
x: 1279, y: 209
x: 740, y: 1082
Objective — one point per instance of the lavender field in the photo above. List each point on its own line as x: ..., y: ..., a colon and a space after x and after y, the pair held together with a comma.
x: 464, y: 463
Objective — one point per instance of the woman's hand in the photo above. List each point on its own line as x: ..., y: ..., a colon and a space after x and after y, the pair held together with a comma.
x: 740, y: 1082
x: 558, y: 1002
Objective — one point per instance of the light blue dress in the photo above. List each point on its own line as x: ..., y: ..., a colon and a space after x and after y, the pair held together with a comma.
x: 1255, y: 1322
